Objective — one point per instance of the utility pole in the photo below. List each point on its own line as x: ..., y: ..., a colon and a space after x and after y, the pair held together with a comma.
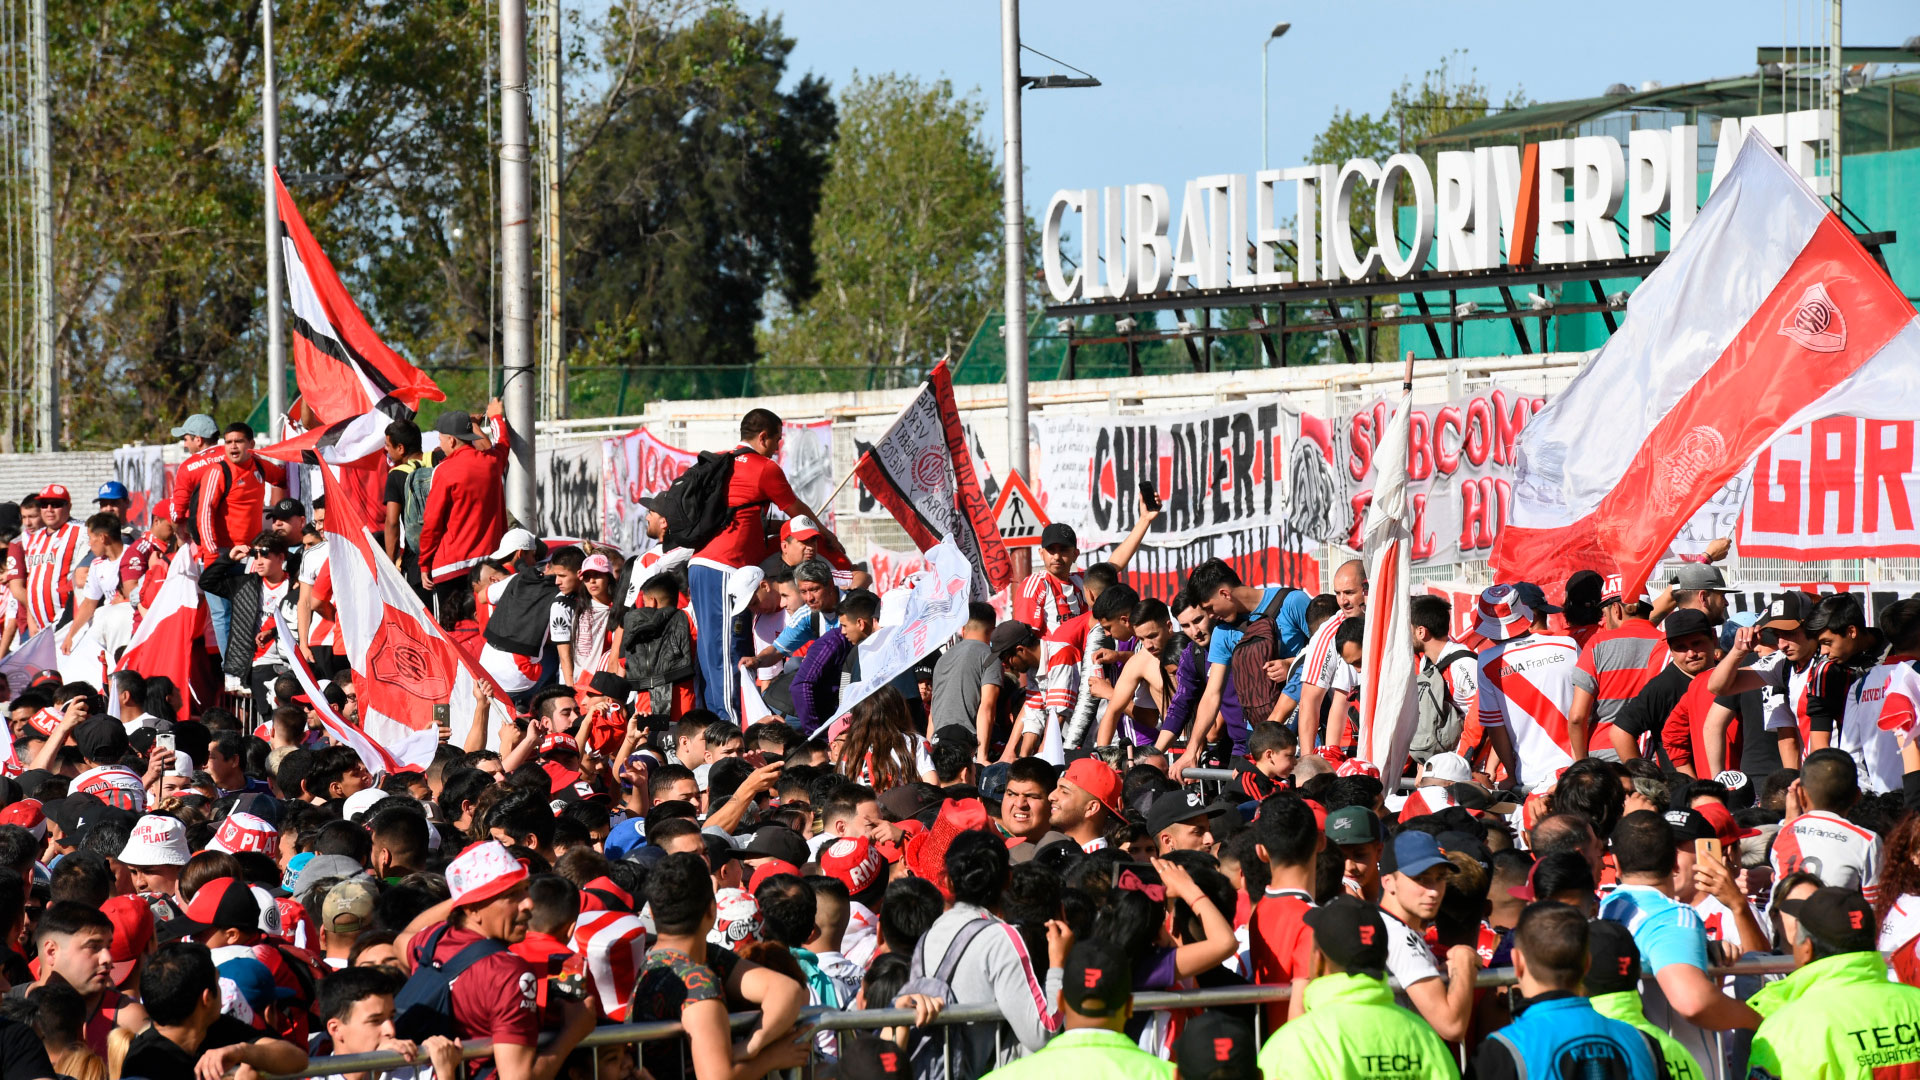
x: 516, y: 263
x: 552, y: 325
x: 1014, y: 216
x: 270, y: 151
x: 45, y: 374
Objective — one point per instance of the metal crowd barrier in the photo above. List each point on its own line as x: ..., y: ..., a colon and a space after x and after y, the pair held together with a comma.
x: 823, y: 1019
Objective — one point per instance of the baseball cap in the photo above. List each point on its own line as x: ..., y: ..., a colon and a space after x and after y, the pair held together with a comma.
x: 1009, y: 636
x: 1535, y: 597
x: 1840, y: 919
x: 198, y: 424
x: 1700, y: 576
x: 514, y: 542
x: 483, y: 872
x: 771, y: 868
x: 110, y: 491
x: 456, y: 423
x: 54, y: 493
x: 244, y: 832
x: 1354, y: 766
x: 596, y: 563
x: 910, y: 800
x: 321, y: 867
x: 1615, y: 966
x: 1099, y: 979
x: 156, y: 841
x: 222, y: 904
x: 855, y: 861
x: 1689, y: 825
x: 1449, y: 767
x: 132, y: 921
x: 1059, y: 534
x: 1096, y: 778
x: 348, y: 908
x: 1351, y: 933
x: 1353, y: 825
x: 1215, y: 1046
x: 361, y: 801
x: 101, y: 738
x: 1788, y: 611
x: 27, y: 814
x: 1412, y: 854
x: 1686, y: 621
x: 1174, y: 807
x: 867, y: 1058
x: 1725, y: 829
x: 799, y: 528
x: 559, y: 740
x: 625, y: 838
x: 778, y: 842
x: 1503, y: 613
x: 286, y: 509
x: 1586, y: 589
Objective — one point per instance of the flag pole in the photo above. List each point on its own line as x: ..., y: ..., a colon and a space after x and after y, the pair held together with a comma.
x: 270, y: 153
x: 1407, y: 384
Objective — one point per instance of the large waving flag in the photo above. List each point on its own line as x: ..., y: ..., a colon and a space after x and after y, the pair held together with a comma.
x: 403, y: 663
x: 343, y: 731
x: 343, y: 367
x: 1388, y: 712
x: 357, y: 449
x: 922, y: 471
x: 1768, y: 315
x: 173, y: 633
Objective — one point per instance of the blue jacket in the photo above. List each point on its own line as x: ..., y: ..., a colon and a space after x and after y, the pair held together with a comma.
x: 1559, y: 1034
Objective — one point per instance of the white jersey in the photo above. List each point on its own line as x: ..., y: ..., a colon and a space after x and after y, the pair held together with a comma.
x: 1323, y: 662
x: 1831, y: 848
x: 1526, y: 686
x: 1861, y: 736
x: 1409, y: 960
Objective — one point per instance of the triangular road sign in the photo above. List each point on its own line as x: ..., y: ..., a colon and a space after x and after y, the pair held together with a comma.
x: 1018, y: 515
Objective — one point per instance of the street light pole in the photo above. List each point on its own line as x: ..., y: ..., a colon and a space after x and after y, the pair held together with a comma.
x: 516, y: 265
x: 1014, y: 220
x: 270, y: 151
x: 1278, y: 30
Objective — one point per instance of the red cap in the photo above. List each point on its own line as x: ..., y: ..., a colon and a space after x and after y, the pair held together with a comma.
x: 800, y: 528
x: 1358, y: 767
x: 132, y: 923
x: 1729, y: 831
x: 27, y: 814
x: 1319, y: 814
x: 1097, y: 779
x: 54, y: 493
x: 483, y: 872
x: 768, y: 869
x: 855, y: 861
x: 559, y: 740
x: 1525, y: 892
x: 224, y: 904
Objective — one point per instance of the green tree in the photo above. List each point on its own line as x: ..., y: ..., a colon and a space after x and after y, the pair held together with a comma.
x: 692, y: 187
x: 908, y: 237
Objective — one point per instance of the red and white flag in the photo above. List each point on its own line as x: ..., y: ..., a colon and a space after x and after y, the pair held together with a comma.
x: 1388, y: 712
x: 403, y: 663
x: 173, y: 633
x: 922, y: 472
x: 1768, y: 314
x: 343, y: 367
x: 355, y: 447
x: 343, y: 731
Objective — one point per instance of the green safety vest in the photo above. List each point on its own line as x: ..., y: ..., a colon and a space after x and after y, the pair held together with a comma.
x: 1836, y: 1018
x: 1625, y: 1007
x: 1087, y: 1054
x: 1352, y: 1029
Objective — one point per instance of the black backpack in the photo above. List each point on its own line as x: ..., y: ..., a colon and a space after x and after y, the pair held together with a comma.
x: 424, y: 1006
x: 695, y: 505
x: 1247, y: 666
x: 518, y: 623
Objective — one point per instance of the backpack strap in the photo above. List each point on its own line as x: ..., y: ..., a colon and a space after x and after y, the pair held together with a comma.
x: 433, y: 945
x: 468, y: 957
x: 1266, y: 610
x: 957, y: 948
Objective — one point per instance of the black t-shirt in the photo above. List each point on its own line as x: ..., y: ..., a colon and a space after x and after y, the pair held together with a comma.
x: 1647, y: 711
x: 1760, y: 752
x: 22, y: 1055
x: 396, y: 489
x: 157, y: 1057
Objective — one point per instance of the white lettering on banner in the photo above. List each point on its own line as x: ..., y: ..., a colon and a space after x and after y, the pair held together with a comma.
x: 1461, y: 212
x: 1842, y: 487
x: 1216, y: 470
x: 1460, y: 464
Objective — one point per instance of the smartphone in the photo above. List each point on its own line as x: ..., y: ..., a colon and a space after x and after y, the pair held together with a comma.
x: 1150, y: 494
x: 164, y: 741
x: 443, y: 715
x: 1707, y: 849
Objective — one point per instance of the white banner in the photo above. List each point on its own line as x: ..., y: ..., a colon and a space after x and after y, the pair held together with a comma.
x: 568, y: 479
x: 806, y: 456
x: 1841, y: 488
x: 144, y: 475
x: 634, y: 465
x: 936, y: 610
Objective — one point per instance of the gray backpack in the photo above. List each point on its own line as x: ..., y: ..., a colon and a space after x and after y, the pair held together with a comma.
x: 1441, y: 724
x: 943, y: 1052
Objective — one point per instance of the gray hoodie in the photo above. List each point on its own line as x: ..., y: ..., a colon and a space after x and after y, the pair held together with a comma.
x: 996, y: 969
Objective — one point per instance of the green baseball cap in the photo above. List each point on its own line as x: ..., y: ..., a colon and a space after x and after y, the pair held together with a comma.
x: 1353, y: 825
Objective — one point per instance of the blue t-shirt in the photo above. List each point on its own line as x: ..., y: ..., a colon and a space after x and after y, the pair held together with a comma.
x: 807, y: 629
x: 1666, y: 930
x: 1289, y: 625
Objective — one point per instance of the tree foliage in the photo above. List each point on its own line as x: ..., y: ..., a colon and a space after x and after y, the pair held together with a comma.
x: 908, y: 237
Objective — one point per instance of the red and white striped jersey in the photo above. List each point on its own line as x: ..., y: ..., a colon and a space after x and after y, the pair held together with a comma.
x: 1871, y: 733
x: 1045, y: 601
x: 1323, y: 664
x: 1526, y: 686
x: 1831, y: 848
x: 50, y: 555
x: 615, y: 945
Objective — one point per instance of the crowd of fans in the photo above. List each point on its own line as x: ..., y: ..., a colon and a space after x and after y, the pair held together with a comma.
x: 1612, y: 795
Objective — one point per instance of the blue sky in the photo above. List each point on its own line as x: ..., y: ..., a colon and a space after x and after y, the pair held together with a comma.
x: 1181, y: 96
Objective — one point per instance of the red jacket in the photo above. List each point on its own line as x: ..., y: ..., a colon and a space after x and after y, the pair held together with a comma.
x: 466, y: 510
x: 226, y: 504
